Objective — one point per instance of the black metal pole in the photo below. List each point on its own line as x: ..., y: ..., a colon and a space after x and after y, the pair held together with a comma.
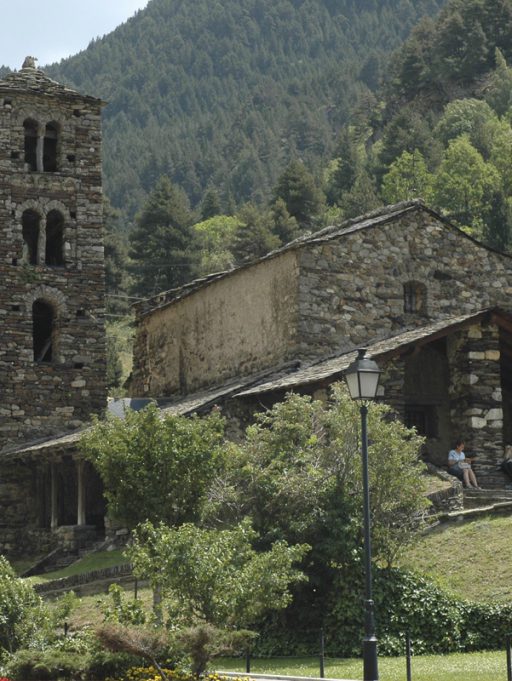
x: 408, y: 655
x: 370, y: 666
x: 322, y: 654
x: 509, y: 659
x: 248, y: 662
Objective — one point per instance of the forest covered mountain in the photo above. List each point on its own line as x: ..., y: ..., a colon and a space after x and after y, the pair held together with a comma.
x: 224, y: 93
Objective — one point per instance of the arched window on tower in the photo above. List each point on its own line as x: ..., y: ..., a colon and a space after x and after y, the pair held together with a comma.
x: 43, y: 331
x: 30, y: 231
x: 415, y: 297
x: 54, y: 255
x: 31, y: 127
x: 50, y: 147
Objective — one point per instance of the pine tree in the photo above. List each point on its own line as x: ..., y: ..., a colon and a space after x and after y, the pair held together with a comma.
x: 162, y: 243
x: 254, y: 237
x: 284, y: 225
x: 210, y: 206
x: 297, y: 188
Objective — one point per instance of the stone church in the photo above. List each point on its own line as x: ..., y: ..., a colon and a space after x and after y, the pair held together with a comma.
x: 431, y: 304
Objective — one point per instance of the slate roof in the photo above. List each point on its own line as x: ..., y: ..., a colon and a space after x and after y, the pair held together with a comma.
x: 329, y: 369
x: 376, y: 218
x: 31, y: 79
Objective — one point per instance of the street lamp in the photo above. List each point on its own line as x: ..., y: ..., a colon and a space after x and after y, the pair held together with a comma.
x: 362, y: 378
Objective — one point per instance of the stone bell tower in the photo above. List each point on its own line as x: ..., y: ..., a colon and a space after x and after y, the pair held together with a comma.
x: 52, y: 341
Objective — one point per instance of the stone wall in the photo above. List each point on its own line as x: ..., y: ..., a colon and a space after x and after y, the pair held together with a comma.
x: 476, y: 398
x: 43, y: 397
x: 352, y: 287
x: 243, y: 323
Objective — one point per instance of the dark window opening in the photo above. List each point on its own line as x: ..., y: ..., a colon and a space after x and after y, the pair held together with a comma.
x: 415, y: 297
x: 77, y: 113
x: 79, y: 365
x: 43, y: 319
x: 30, y: 126
x: 72, y: 214
x: 54, y: 239
x: 14, y: 261
x: 80, y: 313
x: 15, y: 154
x: 7, y: 102
x: 15, y: 308
x: 30, y: 232
x: 50, y: 148
x: 423, y: 419
x: 71, y: 158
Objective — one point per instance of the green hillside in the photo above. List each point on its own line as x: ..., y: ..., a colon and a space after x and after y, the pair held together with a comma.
x: 441, y: 125
x: 224, y: 94
x: 471, y: 560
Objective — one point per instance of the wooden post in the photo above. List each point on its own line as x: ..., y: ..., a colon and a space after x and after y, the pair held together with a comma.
x: 54, y: 513
x: 80, y: 484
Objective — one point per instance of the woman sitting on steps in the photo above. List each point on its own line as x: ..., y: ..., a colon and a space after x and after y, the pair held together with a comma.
x: 460, y: 467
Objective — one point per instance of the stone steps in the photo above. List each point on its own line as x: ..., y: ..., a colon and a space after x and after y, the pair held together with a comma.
x: 477, y: 498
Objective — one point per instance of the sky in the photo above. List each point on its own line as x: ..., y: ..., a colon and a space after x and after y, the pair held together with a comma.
x: 54, y: 29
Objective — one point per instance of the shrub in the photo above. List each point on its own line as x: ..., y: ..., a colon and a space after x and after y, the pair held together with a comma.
x: 28, y: 665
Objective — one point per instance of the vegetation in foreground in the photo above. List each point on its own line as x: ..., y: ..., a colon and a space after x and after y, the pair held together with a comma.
x: 486, y: 666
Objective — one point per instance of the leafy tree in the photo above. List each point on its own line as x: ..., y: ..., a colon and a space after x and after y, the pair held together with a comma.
x: 215, y: 238
x: 407, y: 178
x: 297, y: 188
x: 469, y: 116
x: 161, y: 245
x: 298, y: 476
x: 24, y: 620
x: 465, y: 184
x: 215, y: 576
x: 155, y: 467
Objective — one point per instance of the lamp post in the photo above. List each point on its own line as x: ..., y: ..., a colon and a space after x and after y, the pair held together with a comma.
x: 362, y: 378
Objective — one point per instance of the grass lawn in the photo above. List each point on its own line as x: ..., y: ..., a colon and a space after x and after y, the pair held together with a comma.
x: 482, y: 547
x: 93, y: 561
x: 455, y: 667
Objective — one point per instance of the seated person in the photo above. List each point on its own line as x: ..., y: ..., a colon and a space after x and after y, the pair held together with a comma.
x: 459, y: 466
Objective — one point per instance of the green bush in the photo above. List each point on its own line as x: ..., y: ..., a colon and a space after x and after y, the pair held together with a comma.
x: 34, y: 665
x: 53, y: 663
x: 104, y: 664
x: 404, y: 603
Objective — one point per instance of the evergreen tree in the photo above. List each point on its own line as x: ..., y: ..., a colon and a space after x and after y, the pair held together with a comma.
x: 297, y: 188
x: 284, y: 225
x: 349, y: 164
x: 162, y: 243
x: 362, y: 198
x: 499, y: 92
x: 254, y: 237
x: 210, y: 205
